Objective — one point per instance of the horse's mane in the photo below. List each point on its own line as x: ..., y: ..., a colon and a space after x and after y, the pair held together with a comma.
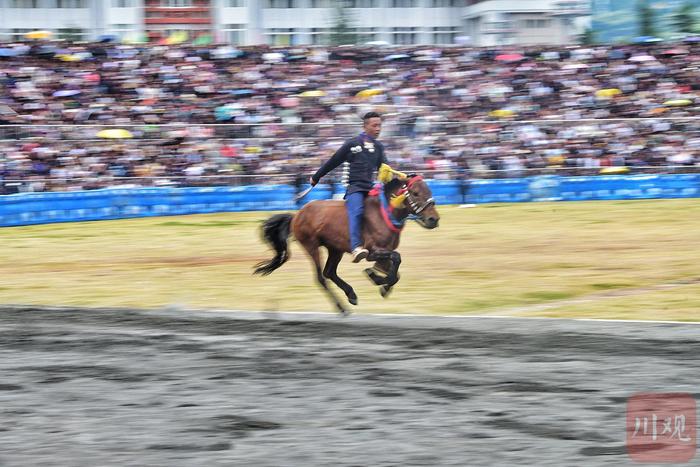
x: 392, y: 186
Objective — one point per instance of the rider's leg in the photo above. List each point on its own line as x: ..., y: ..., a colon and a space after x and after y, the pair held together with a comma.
x: 355, y: 206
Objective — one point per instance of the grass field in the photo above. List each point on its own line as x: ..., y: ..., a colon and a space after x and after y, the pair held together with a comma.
x: 623, y: 259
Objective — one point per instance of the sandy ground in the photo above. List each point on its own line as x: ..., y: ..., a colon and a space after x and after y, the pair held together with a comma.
x: 179, y: 388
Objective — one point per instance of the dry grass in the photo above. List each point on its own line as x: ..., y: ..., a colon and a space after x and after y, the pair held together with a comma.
x: 594, y: 259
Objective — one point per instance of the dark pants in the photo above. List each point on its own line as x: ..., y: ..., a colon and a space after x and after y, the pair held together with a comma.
x: 355, y: 206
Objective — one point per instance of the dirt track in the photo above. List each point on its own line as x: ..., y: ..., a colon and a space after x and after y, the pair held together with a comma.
x: 118, y: 388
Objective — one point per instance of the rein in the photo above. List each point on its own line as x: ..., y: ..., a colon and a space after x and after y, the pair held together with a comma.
x: 387, y: 210
x: 396, y: 225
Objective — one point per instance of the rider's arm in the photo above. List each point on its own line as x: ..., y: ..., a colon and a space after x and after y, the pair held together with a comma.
x: 340, y: 156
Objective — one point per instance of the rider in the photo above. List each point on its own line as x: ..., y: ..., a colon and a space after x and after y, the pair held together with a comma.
x: 365, y: 155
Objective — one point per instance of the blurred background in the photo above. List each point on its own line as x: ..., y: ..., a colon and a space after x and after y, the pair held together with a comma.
x: 130, y: 93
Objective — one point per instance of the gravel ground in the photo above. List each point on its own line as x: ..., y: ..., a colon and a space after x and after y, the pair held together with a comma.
x: 130, y: 388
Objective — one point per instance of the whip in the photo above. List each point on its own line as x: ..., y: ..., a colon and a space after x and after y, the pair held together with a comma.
x: 303, y: 193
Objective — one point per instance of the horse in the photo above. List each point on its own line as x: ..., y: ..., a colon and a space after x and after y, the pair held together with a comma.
x: 324, y: 223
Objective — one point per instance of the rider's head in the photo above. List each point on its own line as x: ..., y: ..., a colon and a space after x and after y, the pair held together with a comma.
x: 372, y: 124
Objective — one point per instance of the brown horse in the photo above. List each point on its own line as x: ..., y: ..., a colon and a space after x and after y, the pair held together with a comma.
x: 325, y: 223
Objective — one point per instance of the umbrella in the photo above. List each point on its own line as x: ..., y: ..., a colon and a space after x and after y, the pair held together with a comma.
x: 178, y: 37
x: 273, y: 57
x: 502, y: 113
x: 313, y: 93
x: 204, y: 39
x: 226, y: 52
x: 676, y: 51
x: 606, y: 93
x: 227, y: 112
x: 692, y: 39
x: 38, y: 34
x: 369, y: 92
x: 116, y: 133
x: 396, y: 57
x: 242, y: 92
x: 107, y: 38
x: 574, y: 66
x: 509, y: 57
x: 678, y: 102
x: 228, y: 151
x: 66, y: 93
x: 642, y: 58
x: 68, y: 58
x: 92, y: 78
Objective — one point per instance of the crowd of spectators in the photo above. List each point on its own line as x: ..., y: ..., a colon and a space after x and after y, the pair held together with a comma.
x: 491, y: 112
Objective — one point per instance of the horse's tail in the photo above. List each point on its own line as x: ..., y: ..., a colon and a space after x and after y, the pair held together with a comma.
x: 276, y: 232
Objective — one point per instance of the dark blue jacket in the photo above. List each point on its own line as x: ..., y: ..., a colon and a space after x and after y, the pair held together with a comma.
x: 364, y: 154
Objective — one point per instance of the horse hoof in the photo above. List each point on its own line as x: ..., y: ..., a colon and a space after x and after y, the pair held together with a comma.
x: 353, y: 301
x: 384, y: 291
x: 344, y: 313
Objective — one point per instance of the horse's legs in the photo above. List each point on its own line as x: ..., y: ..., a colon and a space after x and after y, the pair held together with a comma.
x: 331, y: 271
x: 379, y: 272
x: 313, y: 250
x: 388, y: 262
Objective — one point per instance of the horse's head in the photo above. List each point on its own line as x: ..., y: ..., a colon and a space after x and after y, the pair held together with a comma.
x: 415, y: 195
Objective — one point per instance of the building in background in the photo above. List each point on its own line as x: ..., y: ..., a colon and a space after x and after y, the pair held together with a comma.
x: 71, y: 19
x: 619, y: 20
x: 525, y: 22
x: 299, y: 22
x: 164, y: 19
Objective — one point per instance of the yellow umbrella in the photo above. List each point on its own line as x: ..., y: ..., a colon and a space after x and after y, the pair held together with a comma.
x: 38, y: 34
x: 678, y: 102
x: 314, y: 93
x: 611, y: 92
x: 502, y: 113
x: 177, y: 37
x: 67, y: 58
x: 253, y: 149
x: 116, y: 133
x: 614, y: 170
x: 369, y: 92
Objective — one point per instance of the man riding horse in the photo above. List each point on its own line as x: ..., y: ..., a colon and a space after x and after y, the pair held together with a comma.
x: 376, y: 221
x: 365, y: 155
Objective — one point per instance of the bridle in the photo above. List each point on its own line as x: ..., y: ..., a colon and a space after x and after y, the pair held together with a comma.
x: 414, y: 206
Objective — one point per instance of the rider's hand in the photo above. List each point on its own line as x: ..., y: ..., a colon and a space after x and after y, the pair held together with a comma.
x: 312, y: 182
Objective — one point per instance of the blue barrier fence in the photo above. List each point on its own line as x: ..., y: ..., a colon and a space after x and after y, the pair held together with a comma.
x: 43, y: 208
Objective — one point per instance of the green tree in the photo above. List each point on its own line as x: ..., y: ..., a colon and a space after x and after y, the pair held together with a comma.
x: 684, y: 18
x: 646, y: 18
x: 342, y: 33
